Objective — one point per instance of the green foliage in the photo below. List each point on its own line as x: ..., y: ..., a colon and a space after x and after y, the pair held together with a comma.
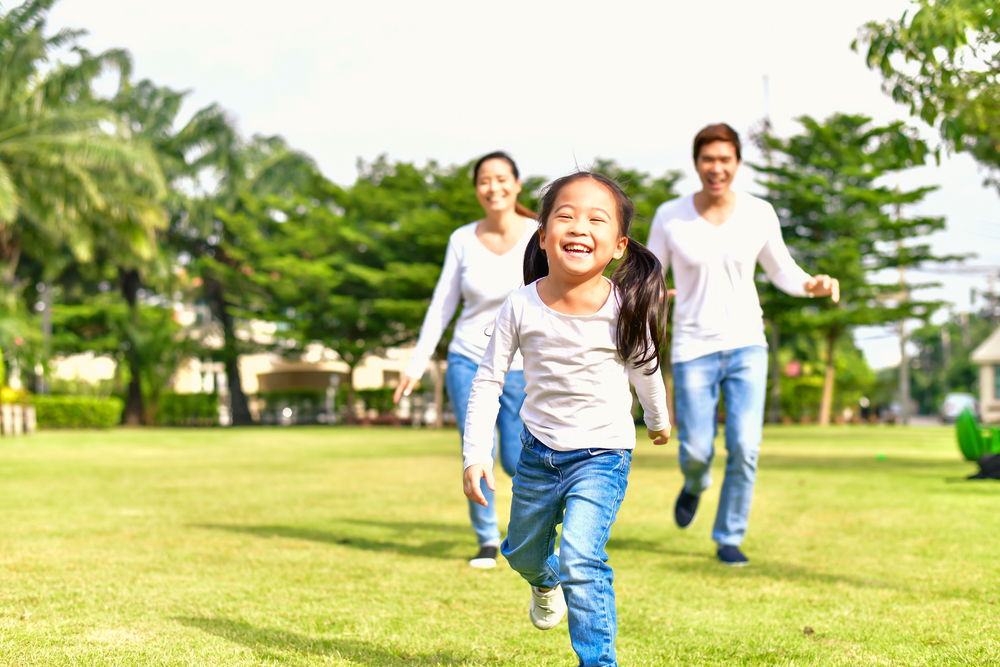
x: 70, y: 174
x: 942, y: 363
x: 840, y: 218
x: 943, y: 61
x: 379, y: 399
x: 77, y: 411
x: 188, y: 409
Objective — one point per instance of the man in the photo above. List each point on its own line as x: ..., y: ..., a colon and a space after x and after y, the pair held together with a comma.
x: 713, y: 241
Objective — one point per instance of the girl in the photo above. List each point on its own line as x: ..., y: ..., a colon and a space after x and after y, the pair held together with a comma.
x: 583, y: 338
x: 481, y: 267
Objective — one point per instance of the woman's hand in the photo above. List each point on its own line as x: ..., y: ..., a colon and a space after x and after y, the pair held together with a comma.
x: 823, y: 285
x: 404, y: 387
x: 470, y: 484
x: 659, y: 437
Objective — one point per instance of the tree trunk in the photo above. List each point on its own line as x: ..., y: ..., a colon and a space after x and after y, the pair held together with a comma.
x: 134, y: 408
x: 350, y: 396
x: 827, y: 404
x: 773, y: 342
x: 239, y: 408
x: 438, y: 391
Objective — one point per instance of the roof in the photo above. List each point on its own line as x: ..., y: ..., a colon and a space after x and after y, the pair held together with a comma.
x: 989, y: 351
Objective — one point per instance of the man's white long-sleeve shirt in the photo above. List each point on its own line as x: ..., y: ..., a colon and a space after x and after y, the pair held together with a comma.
x: 717, y: 307
x: 577, y: 386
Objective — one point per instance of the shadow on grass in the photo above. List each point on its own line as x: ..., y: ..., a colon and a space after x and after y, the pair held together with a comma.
x: 432, y: 549
x: 856, y: 463
x: 277, y: 644
x: 706, y: 564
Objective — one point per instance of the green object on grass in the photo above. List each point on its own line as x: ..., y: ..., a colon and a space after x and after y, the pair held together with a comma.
x: 974, y: 440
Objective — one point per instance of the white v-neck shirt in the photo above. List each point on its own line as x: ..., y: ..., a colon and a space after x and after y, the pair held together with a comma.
x: 480, y: 280
x: 577, y: 386
x: 717, y: 307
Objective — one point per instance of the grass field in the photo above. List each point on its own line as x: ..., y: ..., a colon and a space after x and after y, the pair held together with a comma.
x: 348, y: 546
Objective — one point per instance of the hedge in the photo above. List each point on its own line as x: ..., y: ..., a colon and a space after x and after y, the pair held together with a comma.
x: 77, y: 411
x: 187, y: 409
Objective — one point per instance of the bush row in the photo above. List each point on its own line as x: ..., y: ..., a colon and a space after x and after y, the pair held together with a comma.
x: 187, y: 409
x: 77, y: 411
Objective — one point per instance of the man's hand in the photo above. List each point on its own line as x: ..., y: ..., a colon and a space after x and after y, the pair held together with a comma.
x: 823, y: 285
x: 659, y: 437
x: 470, y: 484
x: 404, y: 388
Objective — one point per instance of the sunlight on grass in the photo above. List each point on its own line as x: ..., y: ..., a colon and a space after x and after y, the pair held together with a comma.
x: 313, y: 546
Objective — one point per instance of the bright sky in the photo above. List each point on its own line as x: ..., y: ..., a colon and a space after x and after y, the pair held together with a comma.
x: 554, y: 83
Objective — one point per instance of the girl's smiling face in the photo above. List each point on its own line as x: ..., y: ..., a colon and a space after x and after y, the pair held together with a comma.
x: 496, y: 186
x: 582, y: 235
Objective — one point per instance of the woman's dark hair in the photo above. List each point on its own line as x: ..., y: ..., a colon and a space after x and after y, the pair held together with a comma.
x: 717, y: 132
x: 638, y: 278
x: 519, y: 208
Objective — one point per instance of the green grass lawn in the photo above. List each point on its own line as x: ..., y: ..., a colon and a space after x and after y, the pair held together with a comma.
x: 341, y: 546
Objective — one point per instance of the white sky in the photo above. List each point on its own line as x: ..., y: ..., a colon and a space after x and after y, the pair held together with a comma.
x: 554, y: 83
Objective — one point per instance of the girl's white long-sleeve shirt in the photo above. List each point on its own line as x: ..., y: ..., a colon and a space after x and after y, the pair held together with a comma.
x: 577, y: 386
x: 717, y: 307
x: 480, y: 280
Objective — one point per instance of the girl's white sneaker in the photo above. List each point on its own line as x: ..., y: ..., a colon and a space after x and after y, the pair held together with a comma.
x: 546, y: 609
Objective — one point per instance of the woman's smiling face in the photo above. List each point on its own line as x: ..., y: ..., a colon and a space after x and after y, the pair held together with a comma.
x: 496, y: 186
x: 582, y: 235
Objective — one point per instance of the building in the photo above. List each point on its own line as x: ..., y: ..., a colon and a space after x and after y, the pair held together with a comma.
x: 987, y: 357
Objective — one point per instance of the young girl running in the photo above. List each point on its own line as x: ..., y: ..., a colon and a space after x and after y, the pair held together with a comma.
x: 583, y: 337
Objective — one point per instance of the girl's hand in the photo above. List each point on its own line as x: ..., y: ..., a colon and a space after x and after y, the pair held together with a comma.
x: 658, y: 437
x: 470, y: 484
x: 823, y: 285
x: 404, y: 387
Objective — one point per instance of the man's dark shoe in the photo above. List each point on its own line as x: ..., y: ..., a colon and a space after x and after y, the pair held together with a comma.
x: 485, y: 559
x: 685, y: 508
x: 732, y: 556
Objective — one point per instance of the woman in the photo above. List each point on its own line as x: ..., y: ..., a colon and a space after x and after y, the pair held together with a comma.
x: 482, y: 266
x: 713, y: 240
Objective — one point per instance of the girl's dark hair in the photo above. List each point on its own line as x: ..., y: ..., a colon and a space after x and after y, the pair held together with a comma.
x: 638, y: 278
x: 519, y: 208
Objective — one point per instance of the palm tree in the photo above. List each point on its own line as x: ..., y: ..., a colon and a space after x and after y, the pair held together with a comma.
x: 67, y: 168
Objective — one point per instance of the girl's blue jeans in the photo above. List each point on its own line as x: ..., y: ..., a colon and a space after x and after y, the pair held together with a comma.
x: 741, y: 375
x: 583, y: 490
x: 458, y: 379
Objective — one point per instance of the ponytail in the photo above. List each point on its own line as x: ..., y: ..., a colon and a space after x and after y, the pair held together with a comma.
x: 642, y: 312
x: 536, y: 264
x: 524, y: 211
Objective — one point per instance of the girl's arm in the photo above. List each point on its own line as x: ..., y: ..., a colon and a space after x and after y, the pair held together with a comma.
x: 653, y: 398
x: 484, y: 402
x: 444, y: 303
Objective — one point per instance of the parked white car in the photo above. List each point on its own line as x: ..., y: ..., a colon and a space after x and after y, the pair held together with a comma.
x: 956, y: 402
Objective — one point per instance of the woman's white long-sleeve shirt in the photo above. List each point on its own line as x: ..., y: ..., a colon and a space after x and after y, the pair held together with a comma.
x: 717, y: 307
x: 480, y: 280
x: 577, y: 386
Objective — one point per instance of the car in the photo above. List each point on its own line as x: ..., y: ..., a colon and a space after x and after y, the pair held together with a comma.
x: 955, y: 403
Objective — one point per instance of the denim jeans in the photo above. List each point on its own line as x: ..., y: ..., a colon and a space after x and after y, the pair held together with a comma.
x: 742, y: 376
x: 458, y: 379
x: 583, y: 490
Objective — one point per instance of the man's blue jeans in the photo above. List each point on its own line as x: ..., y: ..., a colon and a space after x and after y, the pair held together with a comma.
x: 458, y: 379
x: 583, y: 490
x: 741, y: 374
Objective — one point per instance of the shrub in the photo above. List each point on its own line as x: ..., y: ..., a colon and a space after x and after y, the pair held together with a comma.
x: 187, y: 409
x: 77, y: 411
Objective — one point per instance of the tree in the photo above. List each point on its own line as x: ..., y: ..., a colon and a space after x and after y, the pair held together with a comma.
x: 840, y: 218
x: 943, y: 61
x: 63, y: 156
